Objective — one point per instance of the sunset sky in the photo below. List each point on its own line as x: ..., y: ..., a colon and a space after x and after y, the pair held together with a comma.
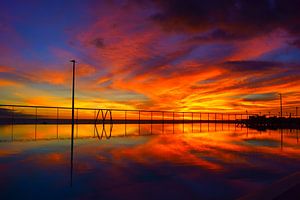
x: 183, y: 55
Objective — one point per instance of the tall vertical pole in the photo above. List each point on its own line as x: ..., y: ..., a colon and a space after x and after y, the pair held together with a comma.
x: 280, y: 104
x: 72, y: 130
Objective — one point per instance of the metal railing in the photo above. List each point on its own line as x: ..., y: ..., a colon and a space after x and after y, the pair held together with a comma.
x: 13, y: 115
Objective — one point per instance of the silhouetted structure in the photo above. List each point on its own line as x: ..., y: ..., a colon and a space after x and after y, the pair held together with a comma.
x: 263, y: 122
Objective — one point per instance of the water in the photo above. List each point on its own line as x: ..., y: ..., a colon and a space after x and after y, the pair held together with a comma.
x: 185, y: 162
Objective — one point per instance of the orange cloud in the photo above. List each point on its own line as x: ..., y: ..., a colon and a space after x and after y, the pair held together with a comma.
x: 6, y: 69
x: 6, y: 83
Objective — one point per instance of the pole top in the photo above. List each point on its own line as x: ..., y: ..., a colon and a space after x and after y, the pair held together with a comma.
x: 73, y: 61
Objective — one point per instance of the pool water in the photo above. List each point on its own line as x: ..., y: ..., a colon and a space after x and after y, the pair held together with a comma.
x: 199, y: 161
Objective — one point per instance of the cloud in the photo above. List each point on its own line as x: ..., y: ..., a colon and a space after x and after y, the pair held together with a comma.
x: 6, y: 83
x: 251, y: 66
x: 98, y: 42
x: 6, y: 69
x: 232, y: 19
x: 261, y: 97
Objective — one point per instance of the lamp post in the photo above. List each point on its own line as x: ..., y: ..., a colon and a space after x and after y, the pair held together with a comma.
x: 72, y: 130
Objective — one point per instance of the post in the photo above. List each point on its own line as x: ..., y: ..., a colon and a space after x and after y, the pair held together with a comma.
x: 200, y: 121
x: 12, y: 123
x: 192, y: 117
x: 151, y: 121
x: 72, y: 129
x: 215, y: 121
x: 35, y: 128
x: 95, y: 123
x: 139, y: 122
x: 234, y: 121
x: 280, y: 95
x: 173, y: 122
x: 163, y: 125
x: 228, y: 121
x: 222, y: 120
x: 215, y: 117
x: 296, y: 112
x: 57, y: 115
x: 208, y: 118
x: 183, y: 122
x: 125, y: 121
x: 192, y: 122
x: 77, y: 123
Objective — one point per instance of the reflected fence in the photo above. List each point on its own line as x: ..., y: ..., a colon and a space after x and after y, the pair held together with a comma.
x: 103, y: 120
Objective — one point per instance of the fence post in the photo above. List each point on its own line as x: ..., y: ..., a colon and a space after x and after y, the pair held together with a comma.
x: 12, y: 123
x: 95, y: 123
x: 215, y: 121
x: 173, y: 122
x: 151, y: 121
x: 183, y: 122
x: 192, y: 122
x: 200, y: 121
x: 125, y: 121
x: 139, y: 122
x: 207, y: 121
x: 57, y: 116
x: 77, y: 123
x: 163, y: 122
x: 35, y: 128
x: 208, y: 118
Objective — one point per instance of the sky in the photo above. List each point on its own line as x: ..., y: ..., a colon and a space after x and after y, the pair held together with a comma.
x: 192, y: 55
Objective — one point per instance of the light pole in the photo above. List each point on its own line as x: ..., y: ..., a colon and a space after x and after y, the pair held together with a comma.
x: 72, y: 130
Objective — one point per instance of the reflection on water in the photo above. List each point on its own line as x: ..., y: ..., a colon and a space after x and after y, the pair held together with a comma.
x: 144, y: 161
